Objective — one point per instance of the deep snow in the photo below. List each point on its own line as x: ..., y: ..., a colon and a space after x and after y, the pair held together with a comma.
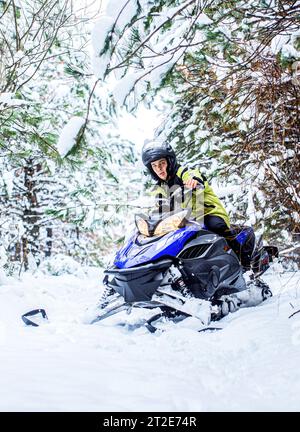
x: 67, y: 365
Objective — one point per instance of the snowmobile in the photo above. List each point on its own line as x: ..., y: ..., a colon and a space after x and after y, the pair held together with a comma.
x: 179, y: 269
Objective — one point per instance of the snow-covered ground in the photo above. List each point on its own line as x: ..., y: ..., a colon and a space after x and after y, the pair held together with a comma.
x: 67, y: 365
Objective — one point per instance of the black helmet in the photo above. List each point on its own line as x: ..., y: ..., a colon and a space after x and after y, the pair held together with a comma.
x: 154, y: 150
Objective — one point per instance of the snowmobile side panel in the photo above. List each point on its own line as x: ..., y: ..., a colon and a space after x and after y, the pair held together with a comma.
x: 207, y: 266
x: 138, y: 283
x: 168, y: 245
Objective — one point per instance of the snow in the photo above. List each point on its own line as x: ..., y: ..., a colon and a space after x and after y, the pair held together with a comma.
x: 139, y: 127
x: 99, y: 32
x: 203, y: 19
x: 278, y: 42
x: 69, y: 134
x: 67, y: 365
x: 7, y: 98
x: 282, y: 43
x: 289, y: 51
x: 8, y: 179
x: 123, y: 88
x: 159, y: 71
x: 128, y: 8
x: 189, y: 129
x: 202, y: 134
x: 116, y: 16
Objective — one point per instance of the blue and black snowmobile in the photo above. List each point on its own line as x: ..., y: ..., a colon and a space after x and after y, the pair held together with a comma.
x: 180, y: 269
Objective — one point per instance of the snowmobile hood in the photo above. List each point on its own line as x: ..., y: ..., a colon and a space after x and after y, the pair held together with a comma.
x: 133, y: 254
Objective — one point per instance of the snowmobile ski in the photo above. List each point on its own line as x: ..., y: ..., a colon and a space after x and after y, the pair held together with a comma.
x: 34, y: 312
x: 112, y: 311
x: 190, y: 306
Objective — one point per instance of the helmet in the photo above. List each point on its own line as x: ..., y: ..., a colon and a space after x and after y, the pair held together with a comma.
x: 154, y: 150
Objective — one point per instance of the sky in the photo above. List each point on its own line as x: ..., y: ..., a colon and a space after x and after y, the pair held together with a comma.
x: 140, y: 127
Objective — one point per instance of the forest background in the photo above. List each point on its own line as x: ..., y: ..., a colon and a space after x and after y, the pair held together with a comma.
x: 220, y: 80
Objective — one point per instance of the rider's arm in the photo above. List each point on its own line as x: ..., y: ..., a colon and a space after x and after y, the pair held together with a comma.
x: 192, y: 177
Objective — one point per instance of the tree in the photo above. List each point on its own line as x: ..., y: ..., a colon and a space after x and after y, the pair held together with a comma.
x: 227, y: 69
x: 47, y: 81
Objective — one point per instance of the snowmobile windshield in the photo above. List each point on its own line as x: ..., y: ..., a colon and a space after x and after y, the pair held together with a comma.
x: 158, y: 225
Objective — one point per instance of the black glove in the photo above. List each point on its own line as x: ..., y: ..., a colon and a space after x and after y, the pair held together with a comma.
x: 229, y: 304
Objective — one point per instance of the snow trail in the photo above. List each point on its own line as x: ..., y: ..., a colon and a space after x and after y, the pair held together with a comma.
x: 66, y: 365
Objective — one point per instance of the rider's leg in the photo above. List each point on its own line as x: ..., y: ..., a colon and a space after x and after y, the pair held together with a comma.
x: 217, y: 225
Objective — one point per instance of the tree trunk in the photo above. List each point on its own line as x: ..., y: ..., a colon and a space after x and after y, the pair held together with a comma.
x: 31, y: 215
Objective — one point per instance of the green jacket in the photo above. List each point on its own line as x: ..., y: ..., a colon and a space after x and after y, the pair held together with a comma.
x: 204, y: 194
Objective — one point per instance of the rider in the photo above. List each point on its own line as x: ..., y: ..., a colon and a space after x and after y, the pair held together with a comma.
x: 160, y: 160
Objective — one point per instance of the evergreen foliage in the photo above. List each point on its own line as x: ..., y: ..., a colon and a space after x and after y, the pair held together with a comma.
x: 229, y: 71
x: 54, y: 189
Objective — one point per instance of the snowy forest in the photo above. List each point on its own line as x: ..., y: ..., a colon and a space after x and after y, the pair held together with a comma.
x: 83, y: 83
x: 224, y: 77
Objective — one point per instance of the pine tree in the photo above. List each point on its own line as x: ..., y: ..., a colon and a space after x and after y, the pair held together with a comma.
x: 228, y: 72
x: 41, y: 184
